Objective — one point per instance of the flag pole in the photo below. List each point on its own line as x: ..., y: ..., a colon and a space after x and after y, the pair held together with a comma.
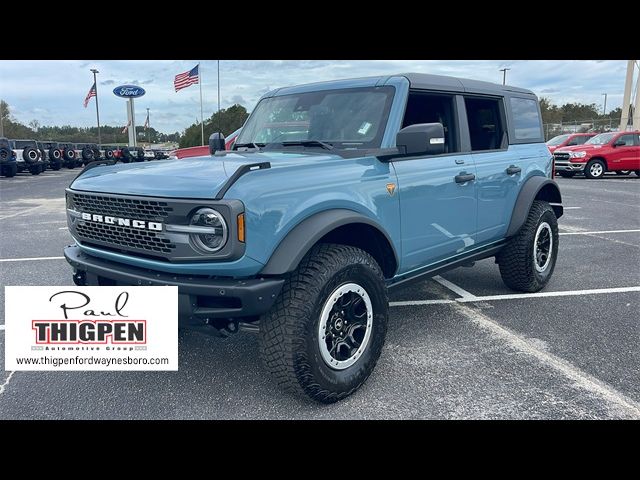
x: 95, y: 83
x: 201, y: 113
x: 219, y: 118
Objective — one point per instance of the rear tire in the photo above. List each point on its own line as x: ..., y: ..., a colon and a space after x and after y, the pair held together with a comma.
x: 9, y: 170
x: 595, y: 169
x: 326, y: 331
x: 528, y: 260
x: 35, y: 169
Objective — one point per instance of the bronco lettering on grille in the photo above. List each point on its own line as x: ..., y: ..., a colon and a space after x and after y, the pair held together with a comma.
x: 123, y: 222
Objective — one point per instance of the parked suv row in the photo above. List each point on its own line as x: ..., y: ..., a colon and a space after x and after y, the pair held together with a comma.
x: 607, y: 152
x: 36, y: 156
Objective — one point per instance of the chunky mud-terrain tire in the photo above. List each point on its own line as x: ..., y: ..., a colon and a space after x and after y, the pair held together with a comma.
x: 524, y: 265
x: 566, y: 174
x: 36, y: 169
x: 595, y: 169
x: 334, y: 280
x: 9, y: 170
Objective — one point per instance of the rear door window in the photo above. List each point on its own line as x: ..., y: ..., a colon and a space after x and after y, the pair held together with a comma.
x: 526, y: 119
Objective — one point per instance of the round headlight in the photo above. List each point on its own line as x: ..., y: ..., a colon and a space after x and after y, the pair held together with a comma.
x: 212, y: 230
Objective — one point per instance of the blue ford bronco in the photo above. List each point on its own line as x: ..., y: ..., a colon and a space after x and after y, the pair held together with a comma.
x: 334, y: 193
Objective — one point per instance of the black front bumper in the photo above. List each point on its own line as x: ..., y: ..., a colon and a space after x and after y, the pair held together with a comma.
x: 200, y: 298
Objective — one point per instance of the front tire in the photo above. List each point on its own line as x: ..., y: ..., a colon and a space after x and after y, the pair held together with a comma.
x: 326, y: 331
x: 595, y: 169
x: 528, y: 260
x: 9, y: 170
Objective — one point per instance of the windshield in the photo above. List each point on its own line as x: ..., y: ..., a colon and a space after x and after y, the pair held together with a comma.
x: 557, y: 140
x: 600, y: 139
x: 346, y: 118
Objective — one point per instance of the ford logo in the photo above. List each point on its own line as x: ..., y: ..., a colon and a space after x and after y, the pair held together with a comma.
x: 128, y: 91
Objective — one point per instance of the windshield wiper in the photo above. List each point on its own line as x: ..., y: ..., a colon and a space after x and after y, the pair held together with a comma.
x: 309, y: 143
x: 248, y: 145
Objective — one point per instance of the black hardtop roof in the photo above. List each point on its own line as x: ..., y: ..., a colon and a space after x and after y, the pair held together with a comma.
x: 455, y: 84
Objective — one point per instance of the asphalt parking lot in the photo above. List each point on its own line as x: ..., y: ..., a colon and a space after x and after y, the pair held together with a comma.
x: 461, y: 346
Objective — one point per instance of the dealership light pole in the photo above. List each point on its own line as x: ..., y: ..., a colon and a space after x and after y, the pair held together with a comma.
x: 604, y: 108
x: 94, y: 71
x: 148, y: 129
x: 504, y: 75
x: 1, y: 120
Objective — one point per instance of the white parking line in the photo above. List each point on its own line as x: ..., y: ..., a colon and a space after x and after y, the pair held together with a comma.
x: 6, y: 382
x: 63, y: 228
x: 566, y: 293
x: 22, y: 212
x: 600, y: 232
x: 580, y: 378
x: 514, y: 296
x: 453, y: 287
x: 571, y: 208
x: 29, y: 259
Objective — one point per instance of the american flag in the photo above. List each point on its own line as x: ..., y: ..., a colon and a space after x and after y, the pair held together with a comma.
x: 124, y: 130
x: 92, y: 93
x: 186, y: 79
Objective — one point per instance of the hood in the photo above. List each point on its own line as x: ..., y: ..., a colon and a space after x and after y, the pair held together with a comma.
x: 578, y: 148
x: 196, y: 177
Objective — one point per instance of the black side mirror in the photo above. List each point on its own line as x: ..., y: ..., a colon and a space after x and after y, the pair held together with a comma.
x: 421, y: 139
x: 619, y: 143
x: 216, y: 142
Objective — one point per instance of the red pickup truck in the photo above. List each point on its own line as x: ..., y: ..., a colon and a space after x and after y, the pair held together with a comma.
x: 607, y: 152
x: 568, y: 140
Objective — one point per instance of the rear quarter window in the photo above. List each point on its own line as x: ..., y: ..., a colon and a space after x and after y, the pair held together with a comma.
x: 526, y: 119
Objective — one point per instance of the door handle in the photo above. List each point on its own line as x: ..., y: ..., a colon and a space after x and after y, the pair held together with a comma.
x: 513, y: 170
x: 465, y: 177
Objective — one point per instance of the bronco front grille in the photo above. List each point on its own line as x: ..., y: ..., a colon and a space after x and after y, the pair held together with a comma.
x: 120, y: 207
x: 124, y: 237
x: 561, y: 156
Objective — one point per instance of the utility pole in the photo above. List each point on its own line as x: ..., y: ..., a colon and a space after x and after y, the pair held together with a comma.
x: 626, y: 98
x: 95, y: 82
x: 604, y: 108
x: 148, y: 129
x: 504, y: 75
x: 1, y: 120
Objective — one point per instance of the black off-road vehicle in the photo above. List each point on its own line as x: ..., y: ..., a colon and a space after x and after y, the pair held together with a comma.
x: 8, y: 165
x: 51, y: 153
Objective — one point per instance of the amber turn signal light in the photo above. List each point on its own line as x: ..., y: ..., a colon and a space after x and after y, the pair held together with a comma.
x: 241, y: 227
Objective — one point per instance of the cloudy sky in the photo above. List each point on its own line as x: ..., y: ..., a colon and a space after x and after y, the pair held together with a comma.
x: 52, y: 92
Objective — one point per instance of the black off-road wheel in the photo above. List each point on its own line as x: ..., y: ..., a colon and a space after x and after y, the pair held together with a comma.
x: 528, y: 260
x: 326, y: 331
x: 595, y: 169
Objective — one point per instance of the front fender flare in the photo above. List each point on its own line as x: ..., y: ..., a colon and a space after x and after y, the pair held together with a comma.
x: 534, y: 187
x: 288, y: 254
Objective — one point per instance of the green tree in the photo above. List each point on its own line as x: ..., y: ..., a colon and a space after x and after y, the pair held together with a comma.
x: 227, y: 120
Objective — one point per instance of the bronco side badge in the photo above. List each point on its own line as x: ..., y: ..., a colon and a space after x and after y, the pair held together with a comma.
x: 391, y: 188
